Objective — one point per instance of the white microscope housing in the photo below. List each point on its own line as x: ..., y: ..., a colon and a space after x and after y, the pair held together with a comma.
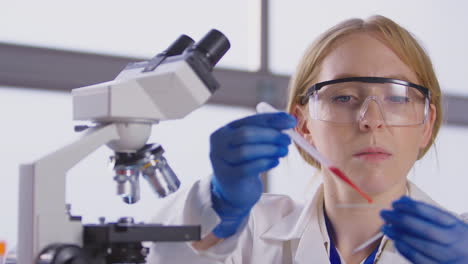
x: 169, y: 92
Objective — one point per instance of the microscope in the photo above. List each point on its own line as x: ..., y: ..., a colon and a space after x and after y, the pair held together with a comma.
x: 169, y: 86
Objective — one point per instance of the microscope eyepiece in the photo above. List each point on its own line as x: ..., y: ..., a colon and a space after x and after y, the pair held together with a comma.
x: 178, y: 46
x: 213, y: 46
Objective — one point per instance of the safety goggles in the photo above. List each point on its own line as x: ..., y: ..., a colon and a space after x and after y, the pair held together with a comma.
x: 347, y: 100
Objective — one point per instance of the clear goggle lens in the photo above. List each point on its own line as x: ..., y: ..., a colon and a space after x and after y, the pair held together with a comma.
x: 349, y: 102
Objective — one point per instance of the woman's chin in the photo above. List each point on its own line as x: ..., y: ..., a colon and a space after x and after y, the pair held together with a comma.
x: 376, y: 187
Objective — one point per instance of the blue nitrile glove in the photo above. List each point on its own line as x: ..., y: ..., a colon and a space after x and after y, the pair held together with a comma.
x: 426, y: 234
x: 240, y: 151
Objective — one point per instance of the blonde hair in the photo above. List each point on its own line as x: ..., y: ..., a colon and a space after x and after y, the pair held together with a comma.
x: 402, y: 42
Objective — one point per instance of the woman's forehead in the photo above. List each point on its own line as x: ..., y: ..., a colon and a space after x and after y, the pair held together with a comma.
x: 362, y: 54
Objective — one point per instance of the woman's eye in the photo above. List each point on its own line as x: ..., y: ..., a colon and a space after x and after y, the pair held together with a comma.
x: 341, y: 99
x: 399, y: 99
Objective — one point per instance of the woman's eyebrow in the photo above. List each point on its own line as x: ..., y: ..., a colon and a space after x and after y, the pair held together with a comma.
x: 391, y: 76
x: 398, y: 77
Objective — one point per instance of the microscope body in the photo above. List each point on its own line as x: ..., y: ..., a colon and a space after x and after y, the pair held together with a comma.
x: 169, y: 86
x: 147, y: 97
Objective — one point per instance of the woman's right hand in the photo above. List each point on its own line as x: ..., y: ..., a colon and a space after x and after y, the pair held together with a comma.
x: 240, y: 152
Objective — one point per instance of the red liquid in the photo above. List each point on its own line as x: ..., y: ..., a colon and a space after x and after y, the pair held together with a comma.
x: 342, y: 176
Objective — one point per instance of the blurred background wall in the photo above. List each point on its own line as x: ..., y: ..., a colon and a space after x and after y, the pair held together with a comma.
x: 49, y: 47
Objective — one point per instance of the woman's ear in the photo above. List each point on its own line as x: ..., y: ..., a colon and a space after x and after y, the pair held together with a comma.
x: 302, y: 116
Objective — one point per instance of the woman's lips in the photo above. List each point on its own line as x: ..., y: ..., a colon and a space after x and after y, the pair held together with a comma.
x: 373, y: 154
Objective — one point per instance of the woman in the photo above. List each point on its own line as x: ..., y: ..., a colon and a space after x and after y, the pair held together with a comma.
x: 366, y: 96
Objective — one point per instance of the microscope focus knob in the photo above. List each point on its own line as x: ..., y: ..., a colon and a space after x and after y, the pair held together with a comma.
x: 126, y: 220
x: 62, y: 254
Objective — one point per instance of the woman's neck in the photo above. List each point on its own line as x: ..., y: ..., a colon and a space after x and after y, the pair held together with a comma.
x: 353, y: 225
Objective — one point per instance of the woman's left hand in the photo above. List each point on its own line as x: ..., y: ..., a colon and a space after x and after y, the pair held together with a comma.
x: 425, y: 234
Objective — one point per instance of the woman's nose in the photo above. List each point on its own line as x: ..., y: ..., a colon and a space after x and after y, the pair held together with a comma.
x: 371, y: 115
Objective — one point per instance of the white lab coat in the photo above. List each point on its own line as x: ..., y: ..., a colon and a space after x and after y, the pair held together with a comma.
x: 278, y: 231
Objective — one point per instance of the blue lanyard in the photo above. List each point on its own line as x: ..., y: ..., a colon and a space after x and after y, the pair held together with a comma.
x: 334, y: 257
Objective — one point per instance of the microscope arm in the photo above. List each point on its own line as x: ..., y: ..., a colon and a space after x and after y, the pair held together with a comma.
x: 42, y: 211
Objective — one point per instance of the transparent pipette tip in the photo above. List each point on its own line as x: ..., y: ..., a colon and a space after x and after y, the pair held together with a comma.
x: 368, y: 242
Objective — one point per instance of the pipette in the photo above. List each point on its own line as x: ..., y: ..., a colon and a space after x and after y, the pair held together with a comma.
x: 263, y: 107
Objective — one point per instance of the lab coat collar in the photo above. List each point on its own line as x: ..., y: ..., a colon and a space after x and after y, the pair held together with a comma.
x: 417, y: 194
x: 293, y: 225
x: 300, y: 221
